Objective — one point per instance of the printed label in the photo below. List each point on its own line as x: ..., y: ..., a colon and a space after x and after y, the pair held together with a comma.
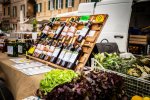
x: 70, y: 34
x: 20, y: 49
x: 39, y: 51
x: 44, y: 31
x: 62, y: 54
x: 58, y: 30
x: 65, y: 29
x: 42, y: 47
x: 44, y: 52
x: 52, y: 48
x: 56, y: 52
x: 10, y: 50
x: 91, y: 33
x: 67, y: 56
x: 84, y: 31
x: 72, y: 29
x: 78, y: 32
x: 39, y: 46
x: 49, y: 54
x: 64, y: 33
x: 73, y: 57
x: 46, y: 28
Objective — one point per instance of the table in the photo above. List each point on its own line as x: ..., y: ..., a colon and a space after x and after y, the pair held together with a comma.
x: 19, y: 84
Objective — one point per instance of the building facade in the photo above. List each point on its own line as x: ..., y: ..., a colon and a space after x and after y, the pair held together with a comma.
x: 1, y: 14
x: 12, y: 10
x: 51, y: 8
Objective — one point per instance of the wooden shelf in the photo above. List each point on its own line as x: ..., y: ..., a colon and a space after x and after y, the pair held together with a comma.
x: 45, y: 62
x: 87, y: 47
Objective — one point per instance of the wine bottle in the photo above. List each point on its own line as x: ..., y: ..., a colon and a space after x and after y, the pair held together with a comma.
x: 65, y: 47
x: 39, y: 52
x: 37, y: 48
x: 84, y: 31
x: 59, y: 30
x: 47, y: 27
x: 75, y: 56
x: 68, y: 53
x: 57, y: 51
x: 64, y: 32
x: 42, y: 55
x: 51, y: 49
x: 71, y: 31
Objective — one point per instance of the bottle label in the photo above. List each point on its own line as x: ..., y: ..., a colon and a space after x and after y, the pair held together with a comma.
x: 47, y: 47
x: 44, y: 52
x: 58, y: 30
x: 62, y: 54
x: 10, y: 50
x: 42, y: 47
x: 46, y: 28
x: 52, y: 48
x: 72, y: 29
x: 38, y: 46
x: 36, y: 50
x: 49, y: 54
x: 56, y: 52
x: 84, y: 31
x: 70, y: 34
x: 73, y: 57
x: 64, y: 33
x: 91, y: 33
x: 65, y: 29
x: 77, y: 32
x: 67, y: 56
x: 39, y: 52
x: 44, y: 31
x: 20, y: 49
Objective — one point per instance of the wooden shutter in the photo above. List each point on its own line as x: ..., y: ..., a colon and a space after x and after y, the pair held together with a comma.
x: 49, y: 5
x: 40, y: 7
x: 72, y: 3
x: 62, y: 4
x: 66, y: 3
x: 56, y: 4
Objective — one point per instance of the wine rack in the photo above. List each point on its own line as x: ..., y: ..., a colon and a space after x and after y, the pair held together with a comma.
x: 88, y: 44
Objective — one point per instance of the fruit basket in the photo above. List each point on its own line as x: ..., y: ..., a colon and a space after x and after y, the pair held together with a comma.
x: 133, y: 85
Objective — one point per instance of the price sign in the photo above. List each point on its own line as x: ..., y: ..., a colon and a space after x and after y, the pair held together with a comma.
x: 100, y: 18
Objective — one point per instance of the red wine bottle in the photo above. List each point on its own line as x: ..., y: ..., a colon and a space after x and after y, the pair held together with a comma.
x: 65, y: 47
x: 84, y: 31
x: 57, y: 51
x: 71, y: 31
x: 68, y: 53
x: 59, y: 30
x: 75, y: 56
x: 50, y: 50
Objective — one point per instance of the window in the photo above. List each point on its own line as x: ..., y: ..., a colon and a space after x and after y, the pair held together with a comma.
x: 59, y: 4
x: 69, y: 3
x: 4, y: 11
x: 8, y: 10
x: 40, y: 7
x: 14, y: 11
x: 22, y: 7
x: 51, y: 4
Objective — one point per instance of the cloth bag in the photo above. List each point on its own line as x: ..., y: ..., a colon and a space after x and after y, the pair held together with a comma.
x: 109, y: 47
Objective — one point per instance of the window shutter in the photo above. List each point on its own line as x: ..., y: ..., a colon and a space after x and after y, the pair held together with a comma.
x: 66, y: 3
x: 40, y: 7
x: 72, y: 3
x: 61, y: 4
x: 56, y: 4
x: 48, y: 4
x: 36, y: 7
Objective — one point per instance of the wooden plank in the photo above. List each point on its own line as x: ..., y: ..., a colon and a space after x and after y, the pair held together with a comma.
x: 137, y: 42
x: 140, y: 40
x: 45, y: 62
x: 139, y: 36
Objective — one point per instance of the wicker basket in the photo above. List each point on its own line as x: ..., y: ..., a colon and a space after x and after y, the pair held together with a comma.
x: 134, y: 85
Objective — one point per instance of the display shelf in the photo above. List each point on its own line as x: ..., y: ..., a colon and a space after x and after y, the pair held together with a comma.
x: 87, y: 46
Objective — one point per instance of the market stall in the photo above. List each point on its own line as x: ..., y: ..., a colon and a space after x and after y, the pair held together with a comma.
x: 20, y: 84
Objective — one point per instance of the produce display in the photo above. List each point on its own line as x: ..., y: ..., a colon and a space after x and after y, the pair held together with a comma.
x: 136, y: 97
x: 92, y: 85
x: 67, y: 42
x: 55, y: 78
x: 138, y: 67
